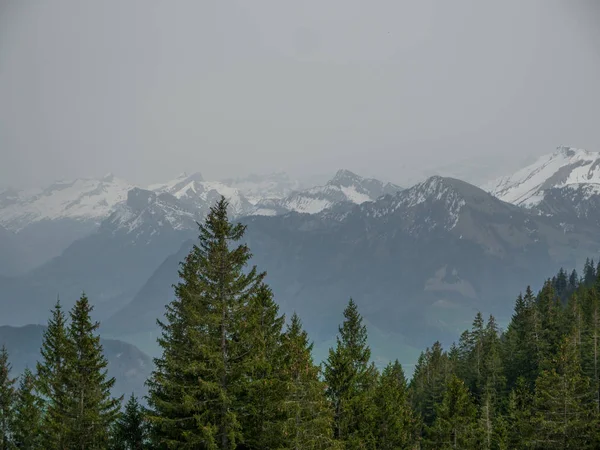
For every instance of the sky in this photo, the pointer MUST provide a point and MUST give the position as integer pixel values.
(148, 89)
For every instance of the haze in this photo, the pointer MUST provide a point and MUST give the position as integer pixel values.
(393, 89)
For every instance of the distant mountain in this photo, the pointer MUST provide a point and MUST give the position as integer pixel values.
(259, 187)
(566, 168)
(200, 195)
(110, 265)
(13, 256)
(126, 363)
(345, 186)
(419, 263)
(48, 220)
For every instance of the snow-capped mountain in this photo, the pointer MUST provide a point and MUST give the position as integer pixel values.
(569, 168)
(46, 221)
(80, 199)
(147, 213)
(259, 187)
(345, 186)
(196, 193)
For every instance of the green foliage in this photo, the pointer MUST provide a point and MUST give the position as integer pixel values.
(7, 399)
(28, 414)
(90, 411)
(131, 429)
(52, 378)
(197, 380)
(432, 372)
(455, 425)
(308, 418)
(262, 396)
(351, 380)
(397, 425)
(563, 413)
(230, 378)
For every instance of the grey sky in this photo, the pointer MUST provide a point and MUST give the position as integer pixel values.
(147, 89)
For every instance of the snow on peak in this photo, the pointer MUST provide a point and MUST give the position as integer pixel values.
(193, 191)
(344, 177)
(345, 186)
(80, 199)
(436, 202)
(255, 188)
(177, 183)
(566, 167)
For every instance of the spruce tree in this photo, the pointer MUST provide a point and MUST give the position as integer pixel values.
(131, 430)
(308, 418)
(518, 417)
(396, 423)
(196, 381)
(429, 381)
(28, 414)
(563, 403)
(52, 378)
(455, 426)
(90, 409)
(350, 379)
(261, 397)
(7, 400)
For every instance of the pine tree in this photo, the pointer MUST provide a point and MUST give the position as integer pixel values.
(90, 409)
(52, 377)
(519, 416)
(193, 389)
(262, 395)
(350, 382)
(589, 272)
(7, 399)
(455, 426)
(396, 423)
(308, 419)
(429, 382)
(28, 414)
(563, 403)
(522, 341)
(131, 430)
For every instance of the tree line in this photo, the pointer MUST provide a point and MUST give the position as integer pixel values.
(234, 374)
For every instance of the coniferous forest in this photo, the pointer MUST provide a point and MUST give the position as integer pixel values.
(235, 374)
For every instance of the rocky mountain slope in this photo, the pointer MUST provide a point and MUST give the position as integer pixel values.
(418, 263)
(564, 184)
(345, 186)
(566, 168)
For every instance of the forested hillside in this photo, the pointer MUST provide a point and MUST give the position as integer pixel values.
(236, 374)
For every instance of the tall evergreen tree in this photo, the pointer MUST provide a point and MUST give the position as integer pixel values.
(52, 378)
(396, 423)
(7, 400)
(262, 394)
(518, 416)
(28, 414)
(350, 379)
(131, 430)
(429, 381)
(90, 409)
(193, 389)
(563, 402)
(589, 272)
(308, 418)
(455, 426)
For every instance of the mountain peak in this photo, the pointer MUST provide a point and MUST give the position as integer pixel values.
(344, 177)
(566, 167)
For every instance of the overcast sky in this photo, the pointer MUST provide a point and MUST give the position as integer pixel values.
(148, 89)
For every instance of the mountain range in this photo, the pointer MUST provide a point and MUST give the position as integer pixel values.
(418, 261)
